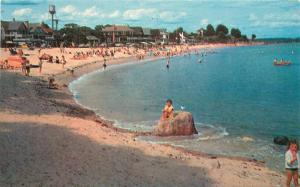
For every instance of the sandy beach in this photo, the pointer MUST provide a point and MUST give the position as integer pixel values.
(49, 140)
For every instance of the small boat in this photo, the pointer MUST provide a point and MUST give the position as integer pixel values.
(283, 63)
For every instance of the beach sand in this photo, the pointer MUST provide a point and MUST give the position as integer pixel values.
(49, 140)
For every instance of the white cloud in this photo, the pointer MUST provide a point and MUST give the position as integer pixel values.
(40, 17)
(44, 16)
(114, 14)
(21, 2)
(168, 16)
(69, 9)
(204, 22)
(135, 14)
(164, 16)
(275, 20)
(21, 12)
(252, 17)
(90, 12)
(70, 12)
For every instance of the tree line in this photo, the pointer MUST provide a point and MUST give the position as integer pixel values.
(73, 33)
(221, 34)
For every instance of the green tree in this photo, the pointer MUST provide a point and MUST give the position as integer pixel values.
(210, 30)
(155, 33)
(235, 33)
(172, 37)
(73, 33)
(178, 31)
(253, 37)
(222, 37)
(71, 25)
(85, 30)
(221, 29)
(99, 28)
(98, 32)
(244, 38)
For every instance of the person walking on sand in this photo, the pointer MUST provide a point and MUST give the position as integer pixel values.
(292, 163)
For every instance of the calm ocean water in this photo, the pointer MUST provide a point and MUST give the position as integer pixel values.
(236, 92)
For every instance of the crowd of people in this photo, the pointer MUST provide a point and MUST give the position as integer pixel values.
(106, 53)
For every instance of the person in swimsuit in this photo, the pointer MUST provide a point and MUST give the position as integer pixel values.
(292, 163)
(168, 111)
(104, 63)
(63, 59)
(168, 63)
(27, 67)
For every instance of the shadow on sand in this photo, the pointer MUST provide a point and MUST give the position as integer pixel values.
(37, 154)
(30, 95)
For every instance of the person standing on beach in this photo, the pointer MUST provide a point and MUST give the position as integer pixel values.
(23, 65)
(27, 65)
(104, 63)
(56, 60)
(292, 163)
(40, 65)
(63, 61)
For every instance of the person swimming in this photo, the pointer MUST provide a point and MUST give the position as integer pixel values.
(104, 63)
(168, 63)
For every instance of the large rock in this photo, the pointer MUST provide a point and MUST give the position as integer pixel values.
(281, 140)
(181, 125)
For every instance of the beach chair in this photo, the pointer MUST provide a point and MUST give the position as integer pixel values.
(15, 62)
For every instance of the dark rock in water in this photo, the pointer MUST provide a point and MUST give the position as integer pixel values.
(281, 140)
(181, 125)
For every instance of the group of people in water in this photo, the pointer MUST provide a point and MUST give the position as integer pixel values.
(196, 52)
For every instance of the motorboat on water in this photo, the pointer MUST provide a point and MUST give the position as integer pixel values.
(282, 63)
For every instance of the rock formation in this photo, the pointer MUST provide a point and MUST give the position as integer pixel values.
(182, 124)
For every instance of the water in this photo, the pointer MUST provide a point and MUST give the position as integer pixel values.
(235, 93)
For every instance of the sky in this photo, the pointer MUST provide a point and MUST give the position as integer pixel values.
(265, 18)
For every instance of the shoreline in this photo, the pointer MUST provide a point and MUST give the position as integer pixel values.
(72, 110)
(87, 69)
(64, 80)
